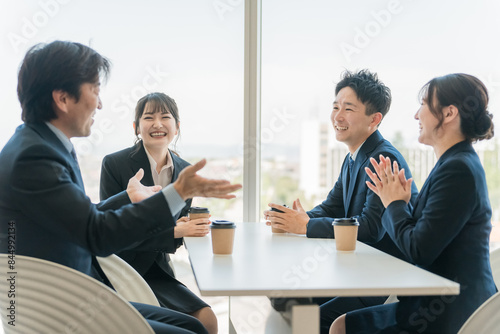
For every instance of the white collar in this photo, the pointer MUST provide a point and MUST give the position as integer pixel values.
(61, 136)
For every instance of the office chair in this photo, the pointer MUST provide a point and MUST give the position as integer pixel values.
(127, 281)
(495, 265)
(486, 319)
(40, 296)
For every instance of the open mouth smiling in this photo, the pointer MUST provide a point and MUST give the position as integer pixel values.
(158, 134)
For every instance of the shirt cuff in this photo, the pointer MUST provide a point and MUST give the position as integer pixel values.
(174, 200)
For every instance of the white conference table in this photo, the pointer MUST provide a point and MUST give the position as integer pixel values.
(290, 265)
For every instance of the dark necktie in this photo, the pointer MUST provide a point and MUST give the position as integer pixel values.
(349, 172)
(77, 169)
(73, 154)
(98, 272)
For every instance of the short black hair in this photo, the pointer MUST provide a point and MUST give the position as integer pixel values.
(59, 65)
(370, 90)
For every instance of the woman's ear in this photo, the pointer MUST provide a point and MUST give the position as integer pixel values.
(135, 128)
(177, 128)
(450, 113)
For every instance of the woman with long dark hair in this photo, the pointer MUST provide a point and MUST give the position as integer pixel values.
(157, 125)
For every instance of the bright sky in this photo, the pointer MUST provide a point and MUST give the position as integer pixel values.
(193, 51)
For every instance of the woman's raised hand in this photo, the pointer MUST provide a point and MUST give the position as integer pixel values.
(389, 183)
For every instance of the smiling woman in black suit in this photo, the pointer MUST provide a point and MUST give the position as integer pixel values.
(156, 126)
(447, 231)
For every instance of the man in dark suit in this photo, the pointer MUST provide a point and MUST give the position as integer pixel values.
(361, 102)
(41, 188)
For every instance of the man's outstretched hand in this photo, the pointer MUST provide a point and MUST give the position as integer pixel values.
(189, 184)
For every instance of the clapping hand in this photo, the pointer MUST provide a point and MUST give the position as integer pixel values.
(390, 184)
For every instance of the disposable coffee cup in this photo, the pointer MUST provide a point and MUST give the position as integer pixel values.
(275, 229)
(196, 212)
(222, 232)
(346, 233)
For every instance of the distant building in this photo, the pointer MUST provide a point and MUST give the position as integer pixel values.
(321, 158)
(318, 171)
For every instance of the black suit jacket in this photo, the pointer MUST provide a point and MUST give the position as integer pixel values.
(446, 233)
(356, 200)
(116, 170)
(42, 195)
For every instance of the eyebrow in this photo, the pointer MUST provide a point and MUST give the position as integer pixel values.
(347, 104)
(163, 112)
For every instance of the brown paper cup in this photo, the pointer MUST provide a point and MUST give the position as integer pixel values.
(222, 236)
(198, 215)
(196, 212)
(346, 234)
(275, 229)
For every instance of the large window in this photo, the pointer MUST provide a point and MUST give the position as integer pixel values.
(305, 48)
(193, 51)
(190, 50)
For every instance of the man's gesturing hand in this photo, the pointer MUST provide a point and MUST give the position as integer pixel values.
(189, 184)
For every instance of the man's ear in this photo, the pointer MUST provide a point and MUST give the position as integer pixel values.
(376, 119)
(61, 99)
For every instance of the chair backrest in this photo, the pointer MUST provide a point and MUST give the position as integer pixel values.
(495, 265)
(486, 319)
(45, 297)
(391, 299)
(127, 281)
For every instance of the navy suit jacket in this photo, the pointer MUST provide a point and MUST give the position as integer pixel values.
(116, 170)
(447, 233)
(42, 195)
(356, 200)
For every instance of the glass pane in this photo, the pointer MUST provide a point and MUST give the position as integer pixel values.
(307, 47)
(191, 51)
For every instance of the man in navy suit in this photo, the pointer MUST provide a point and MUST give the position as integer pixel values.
(361, 103)
(42, 192)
